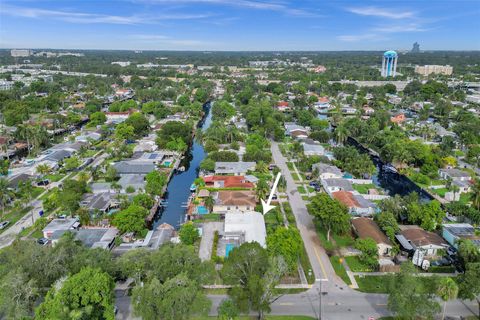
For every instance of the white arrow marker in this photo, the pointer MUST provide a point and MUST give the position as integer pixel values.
(266, 205)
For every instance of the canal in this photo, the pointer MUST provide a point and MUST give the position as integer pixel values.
(178, 189)
(393, 183)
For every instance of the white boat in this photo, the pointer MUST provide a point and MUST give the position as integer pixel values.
(389, 168)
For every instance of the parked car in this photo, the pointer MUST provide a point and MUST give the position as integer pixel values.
(43, 241)
(313, 184)
(4, 224)
(43, 183)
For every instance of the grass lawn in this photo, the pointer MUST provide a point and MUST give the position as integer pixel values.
(290, 166)
(302, 190)
(14, 215)
(339, 269)
(356, 265)
(363, 188)
(295, 176)
(465, 198)
(306, 198)
(322, 235)
(209, 217)
(343, 240)
(373, 284)
(54, 177)
(440, 191)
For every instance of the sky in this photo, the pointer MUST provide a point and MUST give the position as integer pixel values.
(238, 25)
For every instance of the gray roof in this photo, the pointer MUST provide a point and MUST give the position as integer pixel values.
(460, 229)
(99, 201)
(133, 167)
(317, 148)
(58, 155)
(364, 203)
(326, 168)
(91, 237)
(60, 224)
(233, 167)
(344, 184)
(14, 181)
(134, 180)
(291, 126)
(456, 173)
(99, 187)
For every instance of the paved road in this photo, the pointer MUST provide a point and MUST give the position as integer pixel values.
(206, 243)
(339, 300)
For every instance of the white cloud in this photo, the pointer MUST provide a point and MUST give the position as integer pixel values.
(382, 12)
(249, 4)
(78, 17)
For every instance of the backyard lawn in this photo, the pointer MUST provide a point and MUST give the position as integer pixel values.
(54, 177)
(363, 188)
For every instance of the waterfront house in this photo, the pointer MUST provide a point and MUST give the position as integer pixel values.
(135, 181)
(90, 237)
(367, 228)
(457, 231)
(454, 174)
(118, 117)
(327, 171)
(336, 184)
(227, 182)
(234, 201)
(239, 168)
(312, 148)
(133, 167)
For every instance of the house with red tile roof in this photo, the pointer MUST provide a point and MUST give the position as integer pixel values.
(228, 182)
(356, 204)
(283, 106)
(398, 118)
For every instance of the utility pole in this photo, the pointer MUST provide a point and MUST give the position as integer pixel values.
(320, 293)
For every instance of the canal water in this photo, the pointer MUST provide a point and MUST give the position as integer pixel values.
(393, 183)
(178, 189)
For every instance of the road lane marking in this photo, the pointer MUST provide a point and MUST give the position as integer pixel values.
(286, 304)
(320, 262)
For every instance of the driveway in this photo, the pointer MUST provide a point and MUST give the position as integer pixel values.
(206, 243)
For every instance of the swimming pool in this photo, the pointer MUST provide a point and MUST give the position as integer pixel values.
(167, 163)
(228, 247)
(202, 210)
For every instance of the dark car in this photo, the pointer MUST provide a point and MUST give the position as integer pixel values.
(43, 241)
(313, 184)
(274, 197)
(43, 183)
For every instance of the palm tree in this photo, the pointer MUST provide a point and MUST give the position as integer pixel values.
(475, 195)
(43, 169)
(341, 133)
(5, 193)
(262, 189)
(261, 167)
(447, 290)
(209, 202)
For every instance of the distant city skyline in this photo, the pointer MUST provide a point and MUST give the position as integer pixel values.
(239, 25)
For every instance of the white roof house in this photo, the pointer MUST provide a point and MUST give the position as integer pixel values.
(249, 226)
(236, 168)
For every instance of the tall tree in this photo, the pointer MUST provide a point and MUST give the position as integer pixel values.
(447, 290)
(408, 298)
(177, 299)
(85, 295)
(253, 276)
(469, 283)
(331, 214)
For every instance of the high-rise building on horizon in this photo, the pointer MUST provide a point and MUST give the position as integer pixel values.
(427, 70)
(389, 64)
(416, 48)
